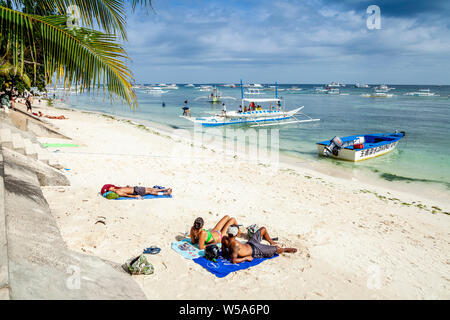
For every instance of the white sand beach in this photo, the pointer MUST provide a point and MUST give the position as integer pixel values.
(355, 241)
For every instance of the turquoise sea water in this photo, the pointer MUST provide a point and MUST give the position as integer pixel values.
(424, 155)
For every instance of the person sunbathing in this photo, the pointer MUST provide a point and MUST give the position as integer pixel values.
(238, 252)
(54, 117)
(135, 192)
(205, 237)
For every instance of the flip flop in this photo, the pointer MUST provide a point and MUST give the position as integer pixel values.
(152, 250)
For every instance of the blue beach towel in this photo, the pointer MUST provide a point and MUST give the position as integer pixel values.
(223, 267)
(148, 196)
(189, 250)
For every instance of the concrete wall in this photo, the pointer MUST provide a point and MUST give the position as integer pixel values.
(4, 290)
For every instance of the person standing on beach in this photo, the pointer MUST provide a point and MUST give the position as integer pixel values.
(186, 109)
(13, 102)
(238, 252)
(28, 103)
(224, 109)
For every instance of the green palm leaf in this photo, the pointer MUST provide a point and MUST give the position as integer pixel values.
(8, 69)
(80, 57)
(109, 15)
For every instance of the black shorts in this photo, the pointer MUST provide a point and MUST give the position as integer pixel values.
(139, 191)
(260, 250)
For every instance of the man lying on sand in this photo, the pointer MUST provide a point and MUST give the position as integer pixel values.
(205, 237)
(134, 192)
(239, 252)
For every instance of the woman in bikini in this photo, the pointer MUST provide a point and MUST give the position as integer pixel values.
(212, 236)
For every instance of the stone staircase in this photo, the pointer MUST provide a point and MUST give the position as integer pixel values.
(12, 138)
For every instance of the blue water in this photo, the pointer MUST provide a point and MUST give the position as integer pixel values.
(424, 155)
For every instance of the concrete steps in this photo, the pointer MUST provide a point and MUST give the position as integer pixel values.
(24, 145)
(18, 143)
(5, 138)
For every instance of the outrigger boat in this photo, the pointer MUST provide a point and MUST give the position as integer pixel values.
(274, 115)
(359, 147)
(215, 96)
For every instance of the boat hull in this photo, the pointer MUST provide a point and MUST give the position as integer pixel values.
(245, 121)
(371, 150)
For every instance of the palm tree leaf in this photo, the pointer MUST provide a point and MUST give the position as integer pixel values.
(79, 56)
(110, 15)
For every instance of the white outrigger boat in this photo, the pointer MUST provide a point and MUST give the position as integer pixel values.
(272, 116)
(257, 118)
(422, 93)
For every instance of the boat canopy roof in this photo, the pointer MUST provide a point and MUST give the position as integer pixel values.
(260, 100)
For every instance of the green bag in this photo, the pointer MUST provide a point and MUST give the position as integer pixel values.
(111, 195)
(139, 265)
(252, 230)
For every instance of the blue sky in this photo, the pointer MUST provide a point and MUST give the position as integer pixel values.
(290, 41)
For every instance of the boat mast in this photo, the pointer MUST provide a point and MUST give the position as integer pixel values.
(276, 90)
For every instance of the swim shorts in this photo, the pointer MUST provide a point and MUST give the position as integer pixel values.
(139, 191)
(260, 250)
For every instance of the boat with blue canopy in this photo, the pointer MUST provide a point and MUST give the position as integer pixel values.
(359, 147)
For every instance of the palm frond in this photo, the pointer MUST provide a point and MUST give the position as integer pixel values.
(109, 15)
(8, 69)
(80, 57)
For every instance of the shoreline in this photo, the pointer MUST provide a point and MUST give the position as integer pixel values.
(435, 195)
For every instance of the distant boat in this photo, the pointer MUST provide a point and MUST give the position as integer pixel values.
(329, 90)
(359, 147)
(422, 93)
(364, 86)
(379, 92)
(253, 91)
(294, 88)
(190, 85)
(156, 91)
(335, 85)
(205, 88)
(383, 87)
(215, 96)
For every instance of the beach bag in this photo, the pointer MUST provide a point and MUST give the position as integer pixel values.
(212, 252)
(252, 230)
(139, 266)
(111, 195)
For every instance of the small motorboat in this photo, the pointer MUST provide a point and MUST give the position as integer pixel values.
(359, 147)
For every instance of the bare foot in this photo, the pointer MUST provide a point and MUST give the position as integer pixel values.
(169, 192)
